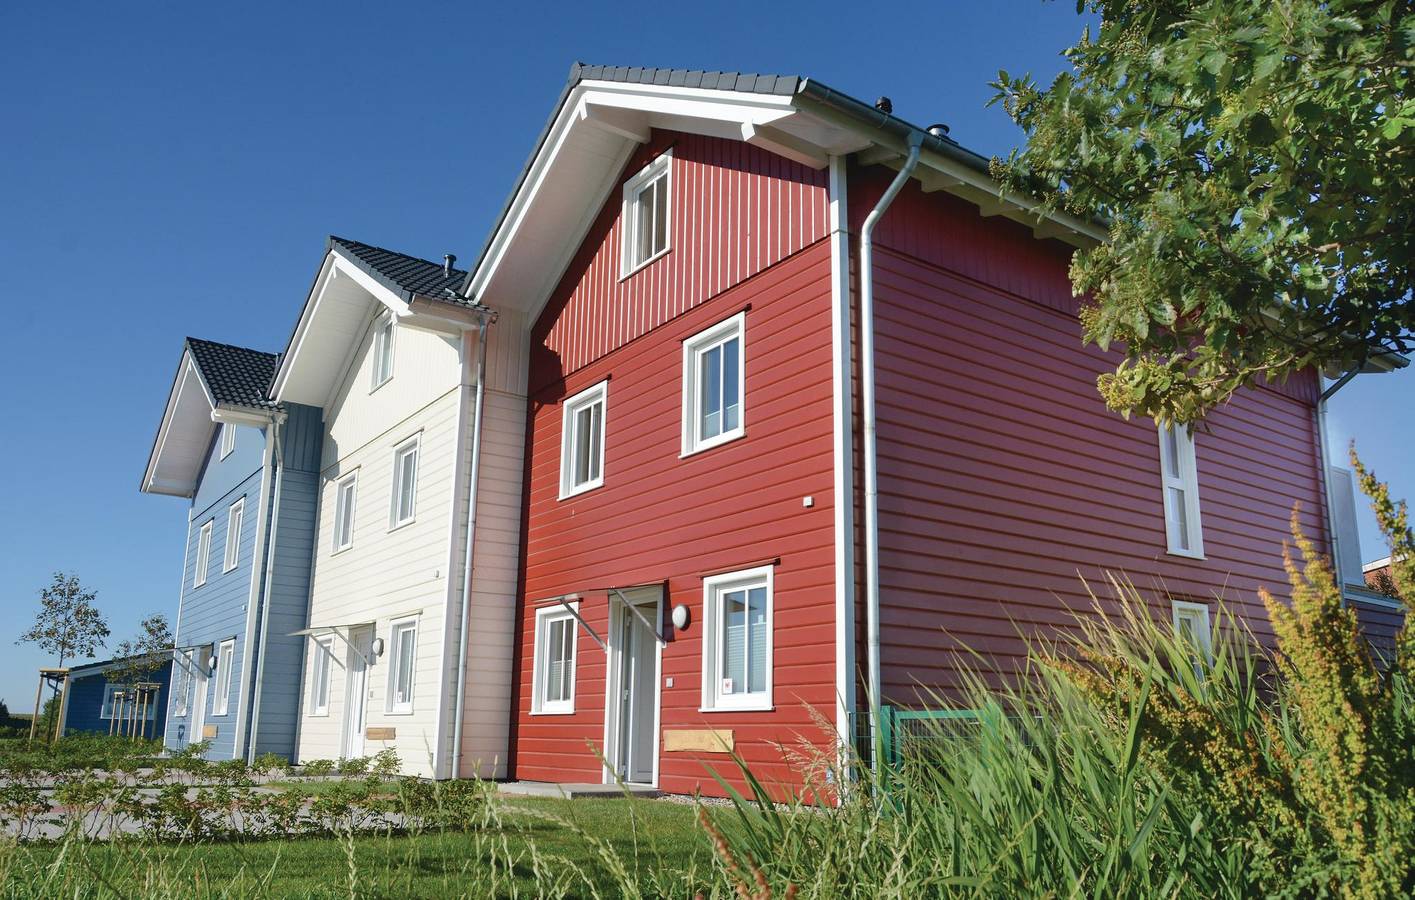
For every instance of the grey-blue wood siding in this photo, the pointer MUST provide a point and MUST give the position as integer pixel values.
(83, 711)
(293, 530)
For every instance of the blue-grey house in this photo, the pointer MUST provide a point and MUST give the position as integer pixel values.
(113, 697)
(249, 469)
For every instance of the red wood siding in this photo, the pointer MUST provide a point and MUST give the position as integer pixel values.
(1003, 477)
(736, 210)
(661, 518)
(1381, 625)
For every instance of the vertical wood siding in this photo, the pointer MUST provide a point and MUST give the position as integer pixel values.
(1004, 480)
(736, 210)
(661, 518)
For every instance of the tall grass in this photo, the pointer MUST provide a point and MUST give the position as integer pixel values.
(1128, 762)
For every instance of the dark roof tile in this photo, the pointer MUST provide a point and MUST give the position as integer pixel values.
(404, 274)
(236, 376)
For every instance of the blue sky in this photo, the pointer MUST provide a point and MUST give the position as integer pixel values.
(173, 168)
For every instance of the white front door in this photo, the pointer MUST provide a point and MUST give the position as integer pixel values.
(356, 691)
(197, 700)
(635, 712)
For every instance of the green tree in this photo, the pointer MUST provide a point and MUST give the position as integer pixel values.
(67, 624)
(1255, 160)
(142, 656)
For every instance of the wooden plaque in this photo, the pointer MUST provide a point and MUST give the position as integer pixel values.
(704, 740)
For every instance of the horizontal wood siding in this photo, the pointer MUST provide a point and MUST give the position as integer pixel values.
(1381, 625)
(736, 210)
(1004, 480)
(660, 518)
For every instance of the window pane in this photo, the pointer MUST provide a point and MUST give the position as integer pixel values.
(1179, 517)
(555, 661)
(757, 640)
(596, 426)
(583, 427)
(404, 683)
(710, 376)
(660, 213)
(407, 483)
(734, 645)
(731, 390)
(643, 224)
(1171, 451)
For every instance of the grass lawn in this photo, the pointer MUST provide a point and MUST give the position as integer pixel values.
(655, 845)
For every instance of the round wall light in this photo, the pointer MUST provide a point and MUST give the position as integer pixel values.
(377, 647)
(680, 616)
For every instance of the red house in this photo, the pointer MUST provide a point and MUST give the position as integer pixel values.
(808, 410)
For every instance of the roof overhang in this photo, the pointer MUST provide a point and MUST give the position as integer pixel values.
(598, 124)
(342, 299)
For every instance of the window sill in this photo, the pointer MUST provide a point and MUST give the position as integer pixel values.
(645, 264)
(713, 444)
(230, 570)
(582, 489)
(1186, 554)
(552, 712)
(398, 712)
(398, 526)
(318, 715)
(338, 550)
(374, 390)
(766, 707)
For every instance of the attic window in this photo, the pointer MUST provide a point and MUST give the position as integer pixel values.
(382, 350)
(646, 215)
(228, 439)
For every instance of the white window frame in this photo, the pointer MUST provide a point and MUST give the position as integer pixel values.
(228, 439)
(412, 445)
(322, 676)
(235, 516)
(570, 409)
(404, 707)
(225, 662)
(660, 167)
(344, 512)
(1181, 474)
(713, 589)
(181, 684)
(381, 354)
(540, 670)
(203, 561)
(1198, 614)
(105, 709)
(693, 349)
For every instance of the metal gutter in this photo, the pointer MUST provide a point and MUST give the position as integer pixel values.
(867, 398)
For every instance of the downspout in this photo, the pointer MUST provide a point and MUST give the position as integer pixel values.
(264, 638)
(1330, 517)
(464, 626)
(867, 396)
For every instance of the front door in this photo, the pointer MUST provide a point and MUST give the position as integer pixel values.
(197, 702)
(356, 691)
(636, 714)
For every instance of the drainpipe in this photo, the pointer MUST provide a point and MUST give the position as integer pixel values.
(264, 639)
(468, 555)
(867, 396)
(1321, 413)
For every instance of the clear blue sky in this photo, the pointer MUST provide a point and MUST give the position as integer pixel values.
(173, 168)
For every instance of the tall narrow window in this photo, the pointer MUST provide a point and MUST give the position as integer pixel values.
(225, 662)
(714, 369)
(401, 666)
(737, 655)
(1191, 624)
(228, 439)
(645, 218)
(382, 350)
(234, 521)
(203, 554)
(181, 685)
(345, 491)
(319, 682)
(582, 441)
(405, 482)
(553, 691)
(1181, 491)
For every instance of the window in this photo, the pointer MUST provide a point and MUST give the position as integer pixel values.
(382, 350)
(714, 368)
(203, 554)
(554, 672)
(128, 705)
(228, 439)
(225, 662)
(1181, 491)
(181, 685)
(582, 441)
(344, 494)
(323, 669)
(737, 640)
(1191, 623)
(405, 482)
(400, 666)
(234, 519)
(646, 215)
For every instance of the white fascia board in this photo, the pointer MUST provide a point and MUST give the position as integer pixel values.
(382, 294)
(187, 375)
(302, 327)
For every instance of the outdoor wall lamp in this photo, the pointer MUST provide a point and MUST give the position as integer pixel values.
(680, 616)
(376, 648)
